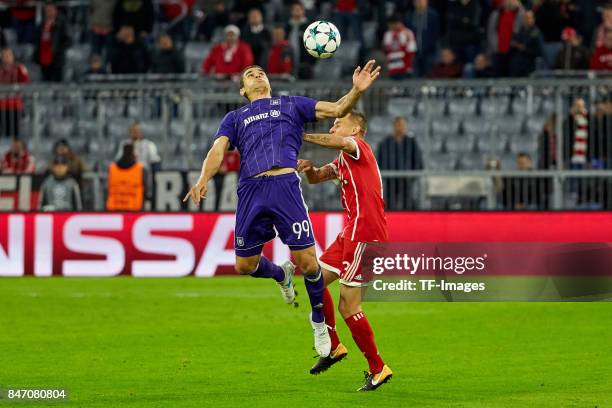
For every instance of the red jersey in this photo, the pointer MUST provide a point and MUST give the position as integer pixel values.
(400, 47)
(362, 194)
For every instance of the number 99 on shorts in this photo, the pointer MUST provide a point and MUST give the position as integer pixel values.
(301, 228)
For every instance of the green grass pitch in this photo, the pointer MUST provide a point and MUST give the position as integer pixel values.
(231, 342)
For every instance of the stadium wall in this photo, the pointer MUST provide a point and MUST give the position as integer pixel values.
(201, 244)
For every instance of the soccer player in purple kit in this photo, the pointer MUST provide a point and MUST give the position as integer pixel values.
(268, 133)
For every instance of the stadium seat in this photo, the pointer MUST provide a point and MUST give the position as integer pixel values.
(207, 128)
(77, 61)
(462, 107)
(477, 127)
(153, 129)
(435, 107)
(34, 71)
(417, 127)
(436, 143)
(510, 124)
(471, 161)
(404, 107)
(547, 106)
(87, 129)
(528, 144)
(441, 161)
(328, 69)
(492, 144)
(61, 129)
(535, 124)
(460, 144)
(445, 126)
(381, 125)
(495, 106)
(195, 52)
(23, 53)
(118, 128)
(508, 162)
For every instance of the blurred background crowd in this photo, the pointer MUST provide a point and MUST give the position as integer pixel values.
(140, 41)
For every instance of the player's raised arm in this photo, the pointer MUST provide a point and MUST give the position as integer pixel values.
(316, 175)
(210, 167)
(332, 141)
(362, 80)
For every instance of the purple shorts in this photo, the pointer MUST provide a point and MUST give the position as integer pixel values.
(269, 205)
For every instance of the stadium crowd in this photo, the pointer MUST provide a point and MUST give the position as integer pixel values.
(419, 38)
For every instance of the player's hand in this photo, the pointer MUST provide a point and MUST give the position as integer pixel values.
(364, 78)
(304, 165)
(197, 193)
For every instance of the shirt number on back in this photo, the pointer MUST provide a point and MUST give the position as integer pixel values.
(300, 228)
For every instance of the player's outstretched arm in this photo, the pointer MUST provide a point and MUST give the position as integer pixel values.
(316, 175)
(362, 80)
(210, 167)
(332, 141)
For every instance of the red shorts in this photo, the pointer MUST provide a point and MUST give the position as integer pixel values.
(343, 258)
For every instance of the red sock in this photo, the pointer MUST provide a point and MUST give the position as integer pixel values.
(330, 318)
(364, 337)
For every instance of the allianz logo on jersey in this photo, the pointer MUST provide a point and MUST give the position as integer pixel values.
(273, 113)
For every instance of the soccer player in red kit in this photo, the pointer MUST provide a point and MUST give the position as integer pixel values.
(362, 199)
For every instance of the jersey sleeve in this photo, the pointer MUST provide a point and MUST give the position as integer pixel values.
(228, 128)
(305, 108)
(358, 145)
(334, 165)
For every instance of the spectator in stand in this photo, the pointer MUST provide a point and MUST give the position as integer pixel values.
(577, 124)
(138, 14)
(602, 57)
(347, 18)
(503, 23)
(17, 160)
(59, 191)
(463, 29)
(145, 150)
(11, 108)
(96, 66)
(24, 20)
(400, 46)
(242, 7)
(552, 16)
(399, 151)
(482, 67)
(525, 193)
(228, 58)
(127, 184)
(129, 55)
(606, 24)
(572, 55)
(280, 60)
(448, 67)
(525, 47)
(303, 62)
(52, 40)
(178, 15)
(547, 144)
(76, 166)
(257, 36)
(167, 59)
(425, 24)
(101, 25)
(216, 18)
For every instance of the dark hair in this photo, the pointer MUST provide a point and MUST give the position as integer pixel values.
(523, 154)
(361, 120)
(394, 18)
(244, 72)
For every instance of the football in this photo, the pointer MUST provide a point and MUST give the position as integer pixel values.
(321, 39)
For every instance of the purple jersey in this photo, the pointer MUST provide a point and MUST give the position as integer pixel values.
(268, 132)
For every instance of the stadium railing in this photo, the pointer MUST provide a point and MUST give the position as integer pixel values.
(469, 132)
